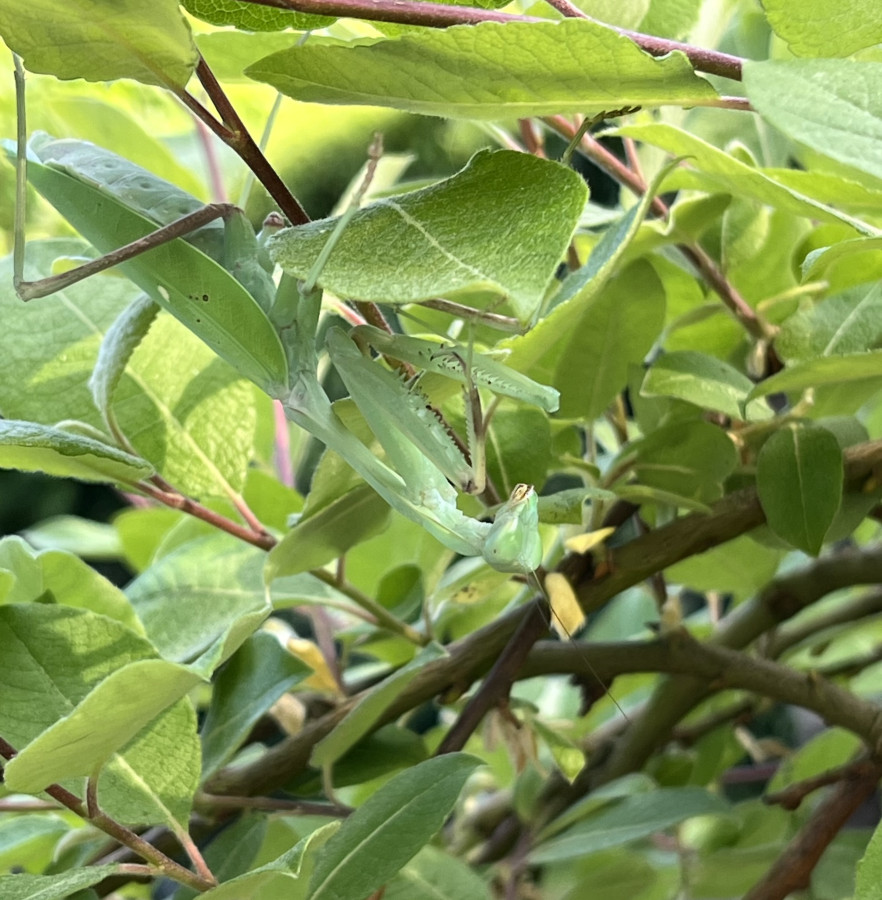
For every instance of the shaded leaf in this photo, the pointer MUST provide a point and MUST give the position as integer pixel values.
(822, 370)
(634, 818)
(799, 481)
(830, 105)
(700, 379)
(367, 712)
(257, 674)
(53, 887)
(381, 836)
(329, 533)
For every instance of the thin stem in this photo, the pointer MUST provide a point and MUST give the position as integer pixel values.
(119, 832)
(706, 267)
(31, 290)
(380, 613)
(439, 15)
(21, 176)
(197, 510)
(232, 131)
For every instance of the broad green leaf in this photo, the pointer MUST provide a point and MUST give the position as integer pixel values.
(831, 189)
(96, 541)
(595, 353)
(459, 233)
(488, 71)
(188, 412)
(30, 447)
(201, 600)
(69, 652)
(869, 870)
(116, 350)
(102, 40)
(814, 28)
(799, 480)
(28, 841)
(381, 836)
(49, 346)
(590, 317)
(329, 533)
(819, 261)
(634, 818)
(53, 887)
(194, 288)
(257, 674)
(830, 105)
(87, 737)
(435, 875)
(691, 459)
(229, 53)
(850, 367)
(285, 878)
(848, 323)
(671, 18)
(248, 17)
(367, 712)
(740, 567)
(700, 379)
(718, 171)
(63, 577)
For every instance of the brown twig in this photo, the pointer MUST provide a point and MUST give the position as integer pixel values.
(119, 832)
(792, 870)
(791, 797)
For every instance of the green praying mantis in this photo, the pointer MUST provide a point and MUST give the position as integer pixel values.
(220, 283)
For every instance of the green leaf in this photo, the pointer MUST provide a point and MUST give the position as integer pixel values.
(28, 841)
(714, 170)
(285, 878)
(819, 261)
(586, 326)
(700, 379)
(799, 481)
(49, 348)
(69, 653)
(635, 817)
(457, 234)
(92, 540)
(488, 71)
(848, 323)
(201, 600)
(367, 712)
(116, 350)
(691, 459)
(53, 887)
(869, 870)
(257, 674)
(102, 40)
(188, 412)
(381, 836)
(30, 447)
(435, 875)
(231, 852)
(87, 737)
(328, 533)
(248, 17)
(195, 289)
(823, 370)
(814, 28)
(740, 567)
(830, 105)
(63, 577)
